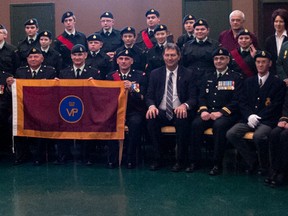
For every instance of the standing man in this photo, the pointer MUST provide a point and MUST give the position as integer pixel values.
(171, 100)
(228, 38)
(111, 36)
(51, 56)
(69, 38)
(9, 60)
(135, 83)
(188, 22)
(260, 104)
(31, 40)
(218, 109)
(145, 38)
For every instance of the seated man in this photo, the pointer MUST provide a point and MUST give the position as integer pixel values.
(218, 102)
(260, 104)
(171, 99)
(136, 84)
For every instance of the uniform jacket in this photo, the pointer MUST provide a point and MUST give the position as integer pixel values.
(88, 71)
(183, 39)
(53, 58)
(265, 102)
(9, 59)
(154, 59)
(23, 48)
(45, 72)
(111, 42)
(186, 87)
(282, 62)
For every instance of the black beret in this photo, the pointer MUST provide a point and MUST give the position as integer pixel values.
(189, 17)
(107, 14)
(160, 28)
(244, 32)
(2, 26)
(32, 21)
(66, 15)
(34, 50)
(46, 34)
(78, 48)
(262, 54)
(152, 11)
(95, 37)
(128, 30)
(201, 22)
(125, 52)
(220, 51)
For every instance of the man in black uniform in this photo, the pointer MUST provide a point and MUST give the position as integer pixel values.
(145, 38)
(51, 56)
(9, 60)
(128, 36)
(135, 83)
(218, 109)
(260, 104)
(197, 53)
(155, 54)
(96, 57)
(31, 30)
(34, 70)
(77, 70)
(111, 36)
(69, 38)
(171, 100)
(188, 22)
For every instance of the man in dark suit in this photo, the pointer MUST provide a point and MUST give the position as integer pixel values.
(171, 100)
(218, 109)
(69, 38)
(260, 105)
(33, 70)
(135, 83)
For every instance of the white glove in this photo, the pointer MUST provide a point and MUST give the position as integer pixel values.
(253, 120)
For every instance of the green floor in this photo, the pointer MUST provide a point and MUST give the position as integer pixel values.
(77, 190)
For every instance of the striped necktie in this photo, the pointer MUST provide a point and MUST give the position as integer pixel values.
(169, 98)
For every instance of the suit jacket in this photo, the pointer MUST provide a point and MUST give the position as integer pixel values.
(265, 102)
(88, 71)
(111, 42)
(271, 47)
(186, 87)
(282, 62)
(45, 72)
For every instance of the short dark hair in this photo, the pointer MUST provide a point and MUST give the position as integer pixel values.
(172, 46)
(283, 13)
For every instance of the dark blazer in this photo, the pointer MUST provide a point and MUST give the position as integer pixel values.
(45, 72)
(88, 71)
(111, 42)
(186, 87)
(271, 47)
(265, 102)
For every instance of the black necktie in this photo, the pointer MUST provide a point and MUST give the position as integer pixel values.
(150, 33)
(78, 70)
(219, 75)
(107, 34)
(31, 40)
(33, 74)
(245, 53)
(169, 98)
(93, 54)
(200, 42)
(124, 77)
(260, 83)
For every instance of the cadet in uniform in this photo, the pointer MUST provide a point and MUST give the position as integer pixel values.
(111, 36)
(260, 104)
(218, 109)
(9, 60)
(34, 70)
(128, 36)
(155, 54)
(69, 38)
(51, 56)
(282, 63)
(96, 57)
(77, 70)
(197, 53)
(243, 57)
(145, 38)
(136, 84)
(31, 40)
(188, 22)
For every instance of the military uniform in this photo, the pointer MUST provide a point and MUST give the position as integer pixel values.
(100, 61)
(112, 41)
(282, 62)
(135, 113)
(184, 39)
(23, 48)
(154, 59)
(9, 59)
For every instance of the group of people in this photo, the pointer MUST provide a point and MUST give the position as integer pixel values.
(229, 85)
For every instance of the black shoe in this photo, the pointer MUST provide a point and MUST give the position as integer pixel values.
(191, 168)
(18, 162)
(270, 178)
(176, 168)
(111, 165)
(155, 166)
(215, 171)
(278, 181)
(130, 166)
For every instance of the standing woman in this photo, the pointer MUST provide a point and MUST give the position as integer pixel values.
(274, 42)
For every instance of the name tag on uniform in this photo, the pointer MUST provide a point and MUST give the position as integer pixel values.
(226, 85)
